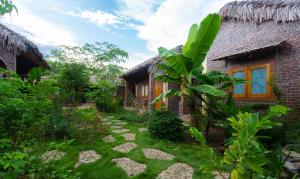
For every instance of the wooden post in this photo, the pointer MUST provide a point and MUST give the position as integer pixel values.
(126, 94)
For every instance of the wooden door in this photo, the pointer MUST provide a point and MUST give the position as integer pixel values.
(158, 91)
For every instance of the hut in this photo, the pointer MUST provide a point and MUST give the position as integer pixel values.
(259, 41)
(141, 89)
(17, 53)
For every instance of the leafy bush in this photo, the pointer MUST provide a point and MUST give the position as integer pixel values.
(134, 117)
(245, 157)
(164, 125)
(86, 124)
(102, 94)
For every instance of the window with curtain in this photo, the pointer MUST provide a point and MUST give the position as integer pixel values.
(256, 85)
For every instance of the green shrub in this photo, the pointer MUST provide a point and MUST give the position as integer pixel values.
(107, 104)
(134, 117)
(164, 125)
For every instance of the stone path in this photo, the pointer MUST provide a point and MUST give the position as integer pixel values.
(116, 127)
(177, 171)
(104, 119)
(157, 154)
(88, 156)
(120, 123)
(108, 139)
(129, 136)
(131, 167)
(52, 155)
(108, 123)
(125, 148)
(143, 129)
(119, 131)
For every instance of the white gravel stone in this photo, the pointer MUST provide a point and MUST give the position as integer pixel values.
(157, 154)
(131, 167)
(88, 156)
(125, 148)
(108, 123)
(116, 127)
(120, 123)
(129, 136)
(109, 139)
(119, 131)
(143, 129)
(52, 155)
(177, 171)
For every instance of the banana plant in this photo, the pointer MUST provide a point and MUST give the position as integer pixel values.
(186, 68)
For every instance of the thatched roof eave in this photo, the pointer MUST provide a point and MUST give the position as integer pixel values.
(259, 11)
(243, 52)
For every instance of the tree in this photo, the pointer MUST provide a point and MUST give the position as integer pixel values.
(95, 56)
(6, 7)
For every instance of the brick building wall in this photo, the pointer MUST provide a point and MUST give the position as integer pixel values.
(238, 36)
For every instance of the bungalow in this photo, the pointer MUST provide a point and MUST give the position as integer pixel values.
(259, 41)
(17, 53)
(141, 89)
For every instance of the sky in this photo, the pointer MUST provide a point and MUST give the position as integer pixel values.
(138, 26)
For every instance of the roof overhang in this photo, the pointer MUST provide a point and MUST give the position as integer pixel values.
(246, 51)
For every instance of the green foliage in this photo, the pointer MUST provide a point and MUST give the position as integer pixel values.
(134, 117)
(73, 78)
(24, 107)
(201, 89)
(86, 124)
(102, 94)
(12, 164)
(60, 146)
(7, 7)
(164, 125)
(246, 157)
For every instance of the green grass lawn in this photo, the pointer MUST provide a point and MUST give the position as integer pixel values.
(105, 168)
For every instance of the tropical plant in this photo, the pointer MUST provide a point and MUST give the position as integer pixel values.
(6, 7)
(246, 157)
(73, 79)
(164, 125)
(12, 164)
(185, 68)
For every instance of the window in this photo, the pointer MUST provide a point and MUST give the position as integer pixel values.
(256, 85)
(145, 90)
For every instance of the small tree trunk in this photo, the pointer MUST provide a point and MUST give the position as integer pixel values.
(193, 111)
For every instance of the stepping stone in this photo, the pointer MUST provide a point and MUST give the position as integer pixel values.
(119, 131)
(131, 167)
(88, 156)
(104, 119)
(177, 170)
(143, 129)
(109, 117)
(218, 176)
(116, 127)
(108, 139)
(108, 123)
(125, 148)
(157, 154)
(52, 155)
(121, 123)
(115, 120)
(129, 136)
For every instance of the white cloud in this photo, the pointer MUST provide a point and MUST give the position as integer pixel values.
(136, 58)
(37, 29)
(169, 25)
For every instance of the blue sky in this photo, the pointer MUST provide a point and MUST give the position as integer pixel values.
(138, 26)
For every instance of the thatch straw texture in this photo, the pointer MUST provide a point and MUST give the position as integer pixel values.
(16, 43)
(259, 11)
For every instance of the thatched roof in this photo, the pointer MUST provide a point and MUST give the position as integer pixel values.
(259, 11)
(18, 45)
(254, 27)
(147, 66)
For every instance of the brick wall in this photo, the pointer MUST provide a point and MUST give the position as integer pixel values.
(235, 35)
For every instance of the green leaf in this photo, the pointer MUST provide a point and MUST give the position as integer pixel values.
(191, 38)
(234, 174)
(207, 32)
(167, 94)
(167, 70)
(210, 90)
(177, 63)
